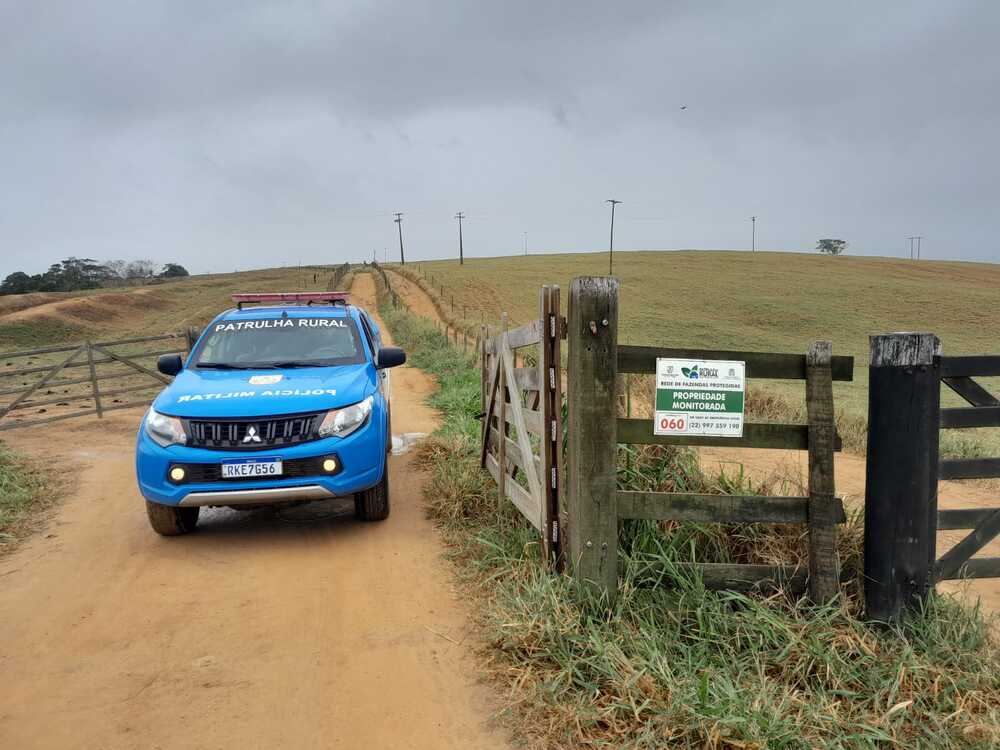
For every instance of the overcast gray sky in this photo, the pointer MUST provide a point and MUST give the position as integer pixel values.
(242, 134)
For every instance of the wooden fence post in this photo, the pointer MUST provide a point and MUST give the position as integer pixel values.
(824, 511)
(95, 389)
(502, 412)
(904, 398)
(593, 432)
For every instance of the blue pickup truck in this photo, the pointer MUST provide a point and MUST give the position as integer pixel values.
(282, 400)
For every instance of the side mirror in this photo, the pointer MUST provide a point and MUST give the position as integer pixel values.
(170, 364)
(389, 356)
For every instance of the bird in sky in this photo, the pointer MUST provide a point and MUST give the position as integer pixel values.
(683, 106)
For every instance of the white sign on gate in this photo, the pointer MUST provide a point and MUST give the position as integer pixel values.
(699, 397)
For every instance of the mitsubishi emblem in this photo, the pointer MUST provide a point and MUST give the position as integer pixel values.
(251, 436)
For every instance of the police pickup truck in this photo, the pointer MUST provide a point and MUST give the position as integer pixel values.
(282, 400)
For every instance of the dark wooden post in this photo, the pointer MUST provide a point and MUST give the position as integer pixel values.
(904, 396)
(593, 432)
(824, 560)
(502, 412)
(550, 403)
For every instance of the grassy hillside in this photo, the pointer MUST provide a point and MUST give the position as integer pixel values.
(111, 313)
(762, 301)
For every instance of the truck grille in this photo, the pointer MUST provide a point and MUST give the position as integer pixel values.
(252, 434)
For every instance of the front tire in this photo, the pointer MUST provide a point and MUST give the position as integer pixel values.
(373, 503)
(169, 520)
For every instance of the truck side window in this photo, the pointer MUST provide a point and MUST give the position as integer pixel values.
(368, 334)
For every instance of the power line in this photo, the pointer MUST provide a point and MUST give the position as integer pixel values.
(399, 223)
(461, 252)
(611, 242)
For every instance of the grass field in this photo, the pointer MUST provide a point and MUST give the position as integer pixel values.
(762, 301)
(681, 666)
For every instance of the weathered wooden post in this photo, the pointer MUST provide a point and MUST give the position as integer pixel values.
(502, 418)
(593, 432)
(904, 396)
(95, 388)
(550, 406)
(824, 511)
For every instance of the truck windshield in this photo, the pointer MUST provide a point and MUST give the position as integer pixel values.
(280, 342)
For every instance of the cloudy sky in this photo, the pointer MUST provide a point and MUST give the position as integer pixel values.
(243, 133)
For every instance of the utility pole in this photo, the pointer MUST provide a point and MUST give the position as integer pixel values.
(525, 243)
(919, 237)
(399, 223)
(461, 252)
(911, 246)
(611, 242)
(753, 234)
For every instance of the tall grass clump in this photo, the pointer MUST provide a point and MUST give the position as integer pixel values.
(676, 665)
(22, 490)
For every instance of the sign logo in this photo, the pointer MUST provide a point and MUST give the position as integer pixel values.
(690, 372)
(251, 436)
(265, 379)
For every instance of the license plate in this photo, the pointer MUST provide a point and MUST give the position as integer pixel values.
(240, 468)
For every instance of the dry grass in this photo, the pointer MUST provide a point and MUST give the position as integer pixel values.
(762, 301)
(113, 313)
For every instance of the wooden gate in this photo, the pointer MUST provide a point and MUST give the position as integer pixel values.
(47, 380)
(901, 509)
(522, 417)
(984, 411)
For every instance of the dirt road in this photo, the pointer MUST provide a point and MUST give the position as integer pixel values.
(304, 629)
(416, 299)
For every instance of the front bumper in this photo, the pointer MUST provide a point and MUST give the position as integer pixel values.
(360, 456)
(257, 497)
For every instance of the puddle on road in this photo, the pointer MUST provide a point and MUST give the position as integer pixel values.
(402, 443)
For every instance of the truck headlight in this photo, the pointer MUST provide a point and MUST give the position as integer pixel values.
(165, 430)
(342, 422)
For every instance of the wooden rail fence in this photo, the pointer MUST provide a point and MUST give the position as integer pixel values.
(584, 530)
(596, 505)
(50, 381)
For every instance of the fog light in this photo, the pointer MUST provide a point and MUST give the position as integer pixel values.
(329, 465)
(177, 474)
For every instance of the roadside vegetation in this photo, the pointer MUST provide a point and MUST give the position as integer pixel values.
(23, 492)
(677, 665)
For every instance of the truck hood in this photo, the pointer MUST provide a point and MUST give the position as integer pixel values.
(260, 393)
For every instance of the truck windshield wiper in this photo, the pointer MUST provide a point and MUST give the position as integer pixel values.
(295, 363)
(220, 366)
